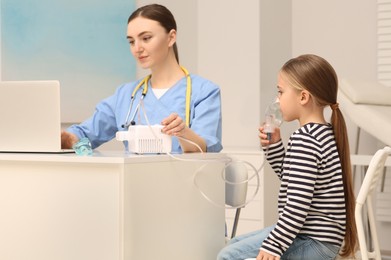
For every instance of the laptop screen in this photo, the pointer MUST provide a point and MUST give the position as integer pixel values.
(30, 116)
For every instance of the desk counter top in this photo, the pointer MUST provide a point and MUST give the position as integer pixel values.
(107, 157)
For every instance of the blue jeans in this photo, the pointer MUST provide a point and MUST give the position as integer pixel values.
(302, 248)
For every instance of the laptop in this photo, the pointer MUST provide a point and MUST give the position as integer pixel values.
(30, 117)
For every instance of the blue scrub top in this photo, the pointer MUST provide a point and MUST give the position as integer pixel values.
(205, 112)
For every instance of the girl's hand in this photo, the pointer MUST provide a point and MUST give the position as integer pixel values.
(174, 125)
(266, 256)
(263, 137)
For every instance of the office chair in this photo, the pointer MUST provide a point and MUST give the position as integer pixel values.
(364, 198)
(236, 177)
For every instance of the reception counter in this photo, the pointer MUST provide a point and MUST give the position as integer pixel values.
(110, 206)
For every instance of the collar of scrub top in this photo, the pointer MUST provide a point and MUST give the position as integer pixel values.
(144, 83)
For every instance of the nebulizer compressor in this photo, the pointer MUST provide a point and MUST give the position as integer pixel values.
(146, 139)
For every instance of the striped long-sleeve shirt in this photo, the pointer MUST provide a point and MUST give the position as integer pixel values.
(311, 197)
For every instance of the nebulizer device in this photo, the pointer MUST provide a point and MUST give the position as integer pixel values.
(83, 147)
(273, 118)
(236, 174)
(146, 139)
(149, 139)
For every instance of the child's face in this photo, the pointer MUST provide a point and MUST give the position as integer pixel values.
(289, 98)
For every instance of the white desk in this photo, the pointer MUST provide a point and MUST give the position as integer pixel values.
(109, 206)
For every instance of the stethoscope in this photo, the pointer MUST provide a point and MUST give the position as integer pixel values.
(144, 83)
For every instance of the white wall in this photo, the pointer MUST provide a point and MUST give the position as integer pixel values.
(229, 54)
(343, 32)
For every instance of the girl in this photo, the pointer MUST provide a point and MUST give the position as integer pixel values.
(187, 106)
(316, 200)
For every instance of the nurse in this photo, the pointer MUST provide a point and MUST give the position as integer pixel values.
(188, 106)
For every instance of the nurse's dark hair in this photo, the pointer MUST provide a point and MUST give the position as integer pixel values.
(160, 14)
(317, 76)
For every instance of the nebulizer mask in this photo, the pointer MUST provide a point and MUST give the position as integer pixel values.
(273, 118)
(83, 147)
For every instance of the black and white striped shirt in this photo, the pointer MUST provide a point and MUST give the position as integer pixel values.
(311, 197)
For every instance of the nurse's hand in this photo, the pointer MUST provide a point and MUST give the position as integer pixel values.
(275, 136)
(188, 139)
(266, 256)
(174, 125)
(68, 140)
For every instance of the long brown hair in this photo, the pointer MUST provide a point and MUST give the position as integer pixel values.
(316, 75)
(160, 14)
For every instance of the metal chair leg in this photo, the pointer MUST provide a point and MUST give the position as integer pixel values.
(356, 150)
(236, 221)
